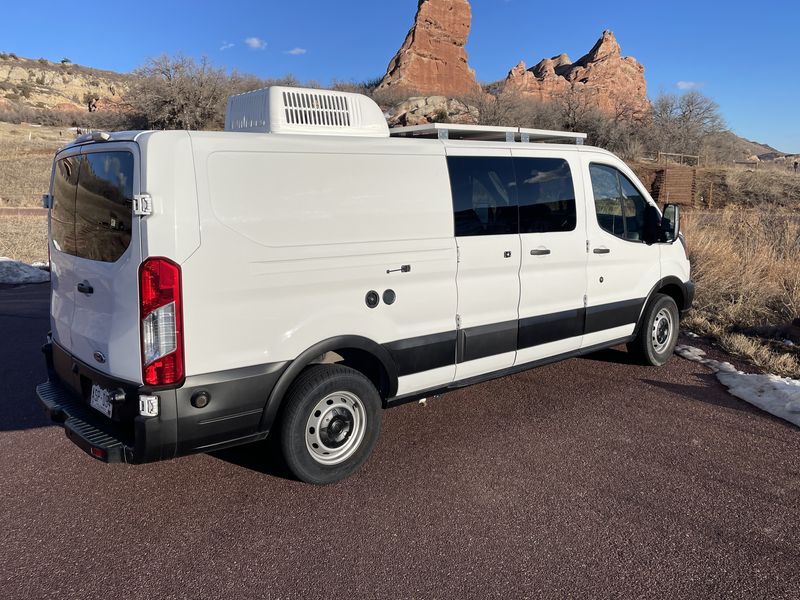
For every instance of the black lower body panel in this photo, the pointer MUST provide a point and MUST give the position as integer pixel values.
(232, 415)
(689, 288)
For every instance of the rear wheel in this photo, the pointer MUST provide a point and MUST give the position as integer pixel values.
(658, 332)
(330, 424)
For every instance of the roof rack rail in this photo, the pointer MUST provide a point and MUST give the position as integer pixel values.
(454, 131)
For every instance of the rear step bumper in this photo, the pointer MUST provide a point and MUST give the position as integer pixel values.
(232, 417)
(130, 438)
(80, 425)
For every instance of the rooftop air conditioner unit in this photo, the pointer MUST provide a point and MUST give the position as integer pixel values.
(286, 110)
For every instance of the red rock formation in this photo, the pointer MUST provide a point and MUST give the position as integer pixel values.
(432, 60)
(604, 79)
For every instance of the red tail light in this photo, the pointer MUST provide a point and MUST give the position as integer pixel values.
(162, 322)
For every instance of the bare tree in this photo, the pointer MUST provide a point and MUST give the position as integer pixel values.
(179, 93)
(680, 123)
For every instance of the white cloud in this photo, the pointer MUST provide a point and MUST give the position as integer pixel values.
(296, 51)
(689, 85)
(226, 45)
(255, 43)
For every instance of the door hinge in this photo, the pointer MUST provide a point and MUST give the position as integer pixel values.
(458, 321)
(587, 246)
(142, 205)
(585, 301)
(458, 254)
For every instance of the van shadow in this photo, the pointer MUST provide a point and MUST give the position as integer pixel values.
(24, 321)
(705, 393)
(262, 457)
(612, 355)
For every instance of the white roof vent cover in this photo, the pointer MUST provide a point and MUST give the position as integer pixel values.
(280, 109)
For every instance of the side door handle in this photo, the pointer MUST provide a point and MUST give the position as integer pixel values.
(84, 287)
(540, 252)
(601, 251)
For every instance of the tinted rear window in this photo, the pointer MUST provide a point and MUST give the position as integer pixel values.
(484, 195)
(92, 205)
(546, 195)
(62, 215)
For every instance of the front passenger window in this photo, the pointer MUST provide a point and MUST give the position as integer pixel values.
(621, 209)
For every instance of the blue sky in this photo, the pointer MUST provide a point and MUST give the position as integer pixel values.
(742, 54)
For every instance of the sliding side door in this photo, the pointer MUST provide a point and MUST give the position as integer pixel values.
(554, 258)
(487, 236)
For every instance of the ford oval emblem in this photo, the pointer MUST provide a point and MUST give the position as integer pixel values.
(100, 357)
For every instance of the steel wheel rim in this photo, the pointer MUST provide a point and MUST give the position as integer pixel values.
(661, 334)
(335, 428)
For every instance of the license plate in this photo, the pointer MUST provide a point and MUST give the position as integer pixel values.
(100, 399)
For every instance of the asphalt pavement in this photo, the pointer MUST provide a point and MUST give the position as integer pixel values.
(591, 478)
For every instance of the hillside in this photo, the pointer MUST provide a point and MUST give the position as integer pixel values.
(64, 87)
(745, 148)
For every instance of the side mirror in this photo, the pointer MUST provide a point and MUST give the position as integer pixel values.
(671, 223)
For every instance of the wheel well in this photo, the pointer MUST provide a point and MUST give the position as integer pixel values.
(365, 363)
(674, 292)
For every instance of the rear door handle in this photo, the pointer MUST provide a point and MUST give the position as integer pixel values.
(601, 251)
(540, 252)
(84, 287)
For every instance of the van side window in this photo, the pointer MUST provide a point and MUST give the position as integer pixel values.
(546, 195)
(62, 214)
(484, 195)
(103, 205)
(620, 208)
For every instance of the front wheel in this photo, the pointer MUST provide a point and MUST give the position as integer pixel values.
(658, 332)
(330, 424)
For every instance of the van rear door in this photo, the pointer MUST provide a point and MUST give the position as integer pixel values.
(62, 245)
(97, 256)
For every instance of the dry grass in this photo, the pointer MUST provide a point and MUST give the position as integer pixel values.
(772, 186)
(747, 268)
(23, 238)
(26, 157)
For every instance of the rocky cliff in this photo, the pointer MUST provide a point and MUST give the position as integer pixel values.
(61, 87)
(432, 60)
(603, 78)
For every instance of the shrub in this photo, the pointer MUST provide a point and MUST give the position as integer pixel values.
(24, 89)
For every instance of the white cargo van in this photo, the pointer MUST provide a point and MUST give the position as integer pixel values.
(308, 267)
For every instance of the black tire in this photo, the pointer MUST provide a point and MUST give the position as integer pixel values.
(653, 344)
(352, 407)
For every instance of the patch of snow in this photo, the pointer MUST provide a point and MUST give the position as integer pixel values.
(779, 396)
(692, 334)
(45, 266)
(14, 272)
(789, 343)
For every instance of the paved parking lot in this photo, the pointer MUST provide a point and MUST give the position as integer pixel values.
(589, 478)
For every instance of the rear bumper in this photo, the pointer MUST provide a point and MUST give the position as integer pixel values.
(232, 417)
(86, 431)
